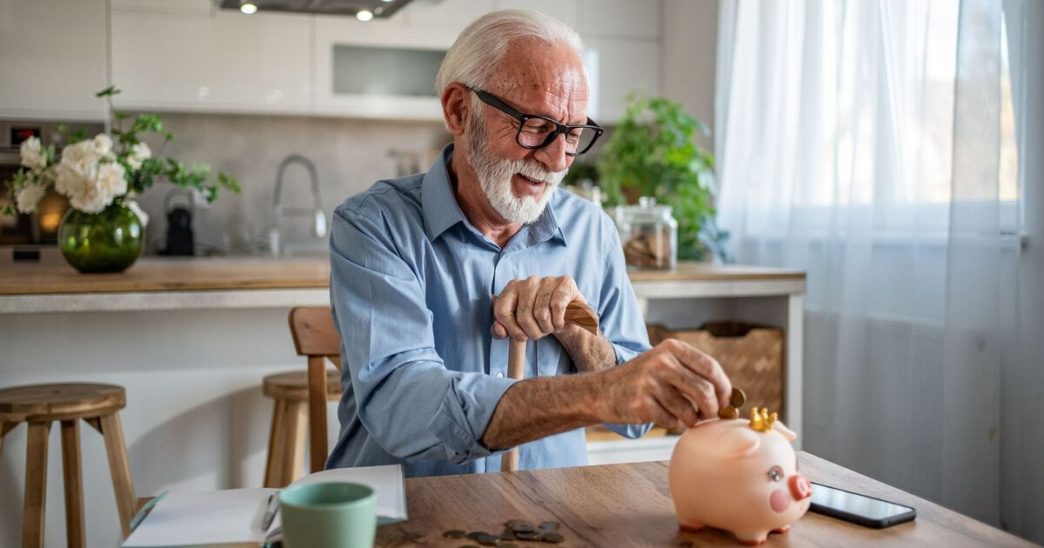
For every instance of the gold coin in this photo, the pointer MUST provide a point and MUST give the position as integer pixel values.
(728, 412)
(739, 397)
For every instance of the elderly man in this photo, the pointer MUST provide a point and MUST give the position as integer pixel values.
(432, 273)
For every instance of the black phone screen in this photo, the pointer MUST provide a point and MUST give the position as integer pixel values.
(856, 508)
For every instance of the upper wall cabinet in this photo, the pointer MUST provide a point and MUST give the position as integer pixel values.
(52, 57)
(378, 69)
(194, 59)
(620, 18)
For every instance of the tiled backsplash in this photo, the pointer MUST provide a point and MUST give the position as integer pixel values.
(349, 155)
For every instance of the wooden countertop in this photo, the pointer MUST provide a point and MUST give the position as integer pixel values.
(153, 274)
(630, 505)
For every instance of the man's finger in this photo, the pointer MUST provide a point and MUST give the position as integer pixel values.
(697, 390)
(504, 312)
(704, 366)
(542, 307)
(677, 405)
(527, 293)
(564, 293)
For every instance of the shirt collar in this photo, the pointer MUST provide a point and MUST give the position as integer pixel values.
(440, 207)
(441, 210)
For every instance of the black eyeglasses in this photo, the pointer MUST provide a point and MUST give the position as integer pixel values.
(536, 132)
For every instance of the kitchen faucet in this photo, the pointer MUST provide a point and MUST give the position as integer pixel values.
(279, 211)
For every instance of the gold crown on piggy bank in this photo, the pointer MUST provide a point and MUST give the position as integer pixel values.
(761, 421)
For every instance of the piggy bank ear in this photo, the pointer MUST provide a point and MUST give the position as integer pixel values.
(782, 429)
(739, 442)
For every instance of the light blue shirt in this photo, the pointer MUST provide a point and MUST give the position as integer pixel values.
(411, 284)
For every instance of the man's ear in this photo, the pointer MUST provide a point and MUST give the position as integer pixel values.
(456, 107)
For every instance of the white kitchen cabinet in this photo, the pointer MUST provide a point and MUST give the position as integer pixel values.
(624, 66)
(52, 58)
(566, 10)
(197, 6)
(446, 17)
(620, 18)
(211, 61)
(398, 42)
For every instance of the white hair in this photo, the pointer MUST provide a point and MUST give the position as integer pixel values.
(475, 54)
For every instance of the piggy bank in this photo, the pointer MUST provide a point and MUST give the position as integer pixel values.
(738, 475)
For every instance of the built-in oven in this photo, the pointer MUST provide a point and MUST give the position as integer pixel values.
(41, 226)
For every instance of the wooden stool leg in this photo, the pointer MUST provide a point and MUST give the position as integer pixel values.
(72, 475)
(276, 441)
(317, 411)
(120, 469)
(293, 442)
(35, 485)
(5, 427)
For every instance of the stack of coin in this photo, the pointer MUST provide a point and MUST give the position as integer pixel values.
(731, 411)
(514, 530)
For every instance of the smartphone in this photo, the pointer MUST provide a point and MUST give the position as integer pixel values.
(860, 509)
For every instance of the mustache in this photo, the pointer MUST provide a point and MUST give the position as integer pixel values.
(534, 170)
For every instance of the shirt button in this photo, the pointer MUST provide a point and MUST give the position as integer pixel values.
(500, 375)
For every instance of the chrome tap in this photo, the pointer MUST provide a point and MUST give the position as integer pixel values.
(317, 213)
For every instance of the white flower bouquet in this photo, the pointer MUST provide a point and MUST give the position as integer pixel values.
(94, 172)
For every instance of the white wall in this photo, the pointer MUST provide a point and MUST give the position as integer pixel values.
(690, 36)
(349, 155)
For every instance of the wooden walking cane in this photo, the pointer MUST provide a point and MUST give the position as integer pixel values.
(577, 312)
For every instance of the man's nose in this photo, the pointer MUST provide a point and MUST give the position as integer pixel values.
(554, 156)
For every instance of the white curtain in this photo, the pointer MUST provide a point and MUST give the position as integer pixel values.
(872, 144)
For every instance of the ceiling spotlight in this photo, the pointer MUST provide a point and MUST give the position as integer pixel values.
(364, 15)
(389, 1)
(248, 8)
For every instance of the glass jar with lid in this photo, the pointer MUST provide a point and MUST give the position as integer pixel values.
(649, 234)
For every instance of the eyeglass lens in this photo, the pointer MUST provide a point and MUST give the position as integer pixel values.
(537, 132)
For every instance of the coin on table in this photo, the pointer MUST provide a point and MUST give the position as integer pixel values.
(488, 540)
(507, 534)
(524, 527)
(474, 535)
(512, 523)
(738, 398)
(455, 533)
(552, 537)
(527, 535)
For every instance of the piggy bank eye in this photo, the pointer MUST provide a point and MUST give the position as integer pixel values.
(775, 473)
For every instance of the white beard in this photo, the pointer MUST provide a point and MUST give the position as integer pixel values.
(495, 178)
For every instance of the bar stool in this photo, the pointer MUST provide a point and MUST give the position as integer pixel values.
(286, 440)
(38, 406)
(316, 338)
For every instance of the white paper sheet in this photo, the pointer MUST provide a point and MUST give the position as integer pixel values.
(233, 517)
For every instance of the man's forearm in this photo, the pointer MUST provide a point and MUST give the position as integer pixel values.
(535, 408)
(589, 351)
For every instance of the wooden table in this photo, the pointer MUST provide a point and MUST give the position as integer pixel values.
(630, 505)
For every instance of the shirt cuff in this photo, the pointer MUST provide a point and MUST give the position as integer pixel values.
(623, 353)
(464, 415)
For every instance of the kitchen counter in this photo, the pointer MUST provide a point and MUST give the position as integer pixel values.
(155, 283)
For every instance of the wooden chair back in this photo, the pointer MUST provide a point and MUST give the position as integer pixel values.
(315, 336)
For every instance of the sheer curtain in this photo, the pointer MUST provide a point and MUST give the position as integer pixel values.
(872, 144)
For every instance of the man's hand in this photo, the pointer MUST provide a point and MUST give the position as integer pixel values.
(670, 383)
(534, 307)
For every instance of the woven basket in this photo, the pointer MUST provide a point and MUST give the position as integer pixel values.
(751, 355)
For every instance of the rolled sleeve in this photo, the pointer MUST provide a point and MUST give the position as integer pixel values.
(408, 401)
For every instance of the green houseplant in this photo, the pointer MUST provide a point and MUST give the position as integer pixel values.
(652, 152)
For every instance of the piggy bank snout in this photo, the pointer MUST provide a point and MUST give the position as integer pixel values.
(800, 488)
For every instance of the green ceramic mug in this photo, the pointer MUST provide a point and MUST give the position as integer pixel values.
(320, 515)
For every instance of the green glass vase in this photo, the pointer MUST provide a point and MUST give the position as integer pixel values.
(107, 241)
